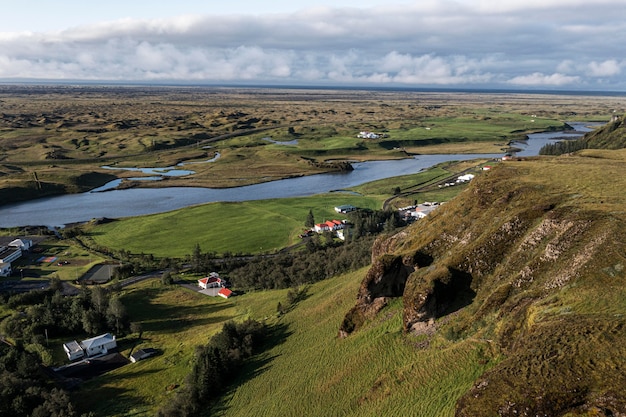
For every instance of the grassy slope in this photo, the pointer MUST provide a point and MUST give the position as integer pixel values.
(308, 372)
(377, 372)
(543, 241)
(175, 320)
(381, 371)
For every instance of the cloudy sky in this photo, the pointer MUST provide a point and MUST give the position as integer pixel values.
(516, 44)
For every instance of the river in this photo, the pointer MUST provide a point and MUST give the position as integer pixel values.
(61, 210)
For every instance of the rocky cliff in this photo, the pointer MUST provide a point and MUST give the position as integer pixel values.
(530, 259)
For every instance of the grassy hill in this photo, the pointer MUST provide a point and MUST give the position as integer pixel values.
(611, 136)
(530, 260)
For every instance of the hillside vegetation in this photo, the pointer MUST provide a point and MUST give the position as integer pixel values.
(611, 136)
(530, 261)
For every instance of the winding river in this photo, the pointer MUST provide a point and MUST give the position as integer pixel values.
(61, 210)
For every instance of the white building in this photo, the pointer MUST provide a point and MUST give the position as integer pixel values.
(22, 244)
(9, 254)
(99, 345)
(73, 350)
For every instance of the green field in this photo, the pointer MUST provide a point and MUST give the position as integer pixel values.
(243, 227)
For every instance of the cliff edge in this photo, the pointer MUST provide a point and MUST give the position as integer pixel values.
(531, 260)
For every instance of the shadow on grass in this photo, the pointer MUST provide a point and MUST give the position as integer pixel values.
(171, 317)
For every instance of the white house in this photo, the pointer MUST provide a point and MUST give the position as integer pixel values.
(368, 135)
(212, 281)
(328, 226)
(99, 344)
(465, 178)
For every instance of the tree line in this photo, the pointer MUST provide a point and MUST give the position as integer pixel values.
(216, 366)
(298, 268)
(563, 146)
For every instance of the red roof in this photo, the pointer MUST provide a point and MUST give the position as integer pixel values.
(225, 292)
(204, 280)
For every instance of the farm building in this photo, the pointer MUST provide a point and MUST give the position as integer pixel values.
(142, 354)
(328, 226)
(9, 254)
(73, 350)
(345, 209)
(225, 293)
(22, 244)
(212, 281)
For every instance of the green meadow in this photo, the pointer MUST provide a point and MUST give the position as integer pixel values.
(242, 227)
(306, 370)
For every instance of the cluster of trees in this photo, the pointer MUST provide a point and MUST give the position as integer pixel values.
(216, 366)
(372, 222)
(49, 313)
(563, 147)
(24, 391)
(298, 268)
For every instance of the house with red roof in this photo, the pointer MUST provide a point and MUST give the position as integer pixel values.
(212, 281)
(329, 226)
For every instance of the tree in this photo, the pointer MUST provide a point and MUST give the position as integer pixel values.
(196, 258)
(116, 315)
(310, 220)
(166, 278)
(136, 327)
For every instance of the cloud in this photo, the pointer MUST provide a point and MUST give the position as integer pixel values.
(605, 69)
(530, 43)
(539, 79)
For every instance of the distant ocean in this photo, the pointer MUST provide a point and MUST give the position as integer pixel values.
(329, 87)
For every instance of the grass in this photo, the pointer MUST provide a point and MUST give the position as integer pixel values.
(376, 372)
(244, 227)
(174, 320)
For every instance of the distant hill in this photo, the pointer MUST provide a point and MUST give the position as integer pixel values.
(531, 261)
(610, 136)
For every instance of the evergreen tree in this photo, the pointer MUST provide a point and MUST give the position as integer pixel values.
(310, 220)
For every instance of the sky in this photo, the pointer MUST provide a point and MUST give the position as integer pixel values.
(510, 44)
